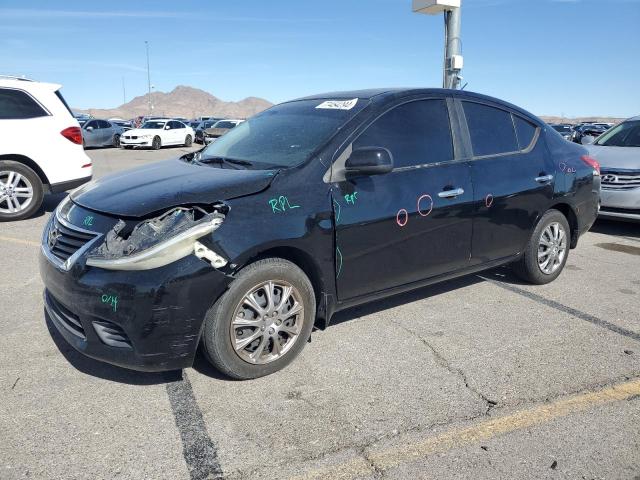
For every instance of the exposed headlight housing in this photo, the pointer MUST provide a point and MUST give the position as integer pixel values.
(156, 242)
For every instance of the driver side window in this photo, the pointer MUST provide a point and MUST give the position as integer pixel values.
(416, 133)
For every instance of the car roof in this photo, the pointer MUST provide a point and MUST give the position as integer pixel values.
(27, 84)
(387, 94)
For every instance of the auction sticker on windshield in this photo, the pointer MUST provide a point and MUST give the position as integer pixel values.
(338, 104)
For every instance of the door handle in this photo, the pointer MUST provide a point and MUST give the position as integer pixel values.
(451, 193)
(544, 178)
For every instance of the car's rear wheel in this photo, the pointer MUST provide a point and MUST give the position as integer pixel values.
(116, 140)
(21, 191)
(547, 251)
(156, 143)
(188, 141)
(263, 320)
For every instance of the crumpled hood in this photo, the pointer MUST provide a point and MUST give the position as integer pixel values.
(612, 158)
(152, 188)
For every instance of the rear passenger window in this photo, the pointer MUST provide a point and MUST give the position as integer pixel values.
(491, 129)
(525, 131)
(415, 133)
(16, 104)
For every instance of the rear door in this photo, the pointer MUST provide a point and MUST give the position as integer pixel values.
(513, 178)
(409, 224)
(106, 132)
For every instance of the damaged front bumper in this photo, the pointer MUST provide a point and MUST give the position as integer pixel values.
(143, 320)
(147, 319)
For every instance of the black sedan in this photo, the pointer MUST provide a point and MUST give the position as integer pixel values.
(308, 208)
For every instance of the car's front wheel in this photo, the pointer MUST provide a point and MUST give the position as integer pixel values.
(188, 141)
(116, 140)
(21, 191)
(263, 320)
(546, 253)
(156, 143)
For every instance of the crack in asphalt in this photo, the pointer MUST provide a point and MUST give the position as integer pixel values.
(444, 363)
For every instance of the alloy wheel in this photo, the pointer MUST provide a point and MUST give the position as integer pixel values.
(16, 192)
(552, 248)
(267, 322)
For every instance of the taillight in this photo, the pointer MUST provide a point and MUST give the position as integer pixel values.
(592, 162)
(73, 134)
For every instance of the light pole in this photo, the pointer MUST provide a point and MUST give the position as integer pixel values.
(148, 77)
(453, 60)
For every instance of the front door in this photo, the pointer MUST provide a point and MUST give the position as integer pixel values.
(412, 223)
(91, 133)
(513, 178)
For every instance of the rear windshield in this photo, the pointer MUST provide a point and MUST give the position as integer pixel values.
(285, 135)
(627, 134)
(561, 128)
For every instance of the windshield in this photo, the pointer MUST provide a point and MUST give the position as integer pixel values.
(154, 125)
(627, 134)
(285, 135)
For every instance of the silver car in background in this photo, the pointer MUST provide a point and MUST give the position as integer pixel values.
(101, 133)
(618, 151)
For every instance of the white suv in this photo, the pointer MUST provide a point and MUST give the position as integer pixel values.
(40, 146)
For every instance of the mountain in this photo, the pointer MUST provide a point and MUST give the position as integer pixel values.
(550, 119)
(183, 101)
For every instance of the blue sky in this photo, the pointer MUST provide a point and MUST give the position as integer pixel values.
(572, 57)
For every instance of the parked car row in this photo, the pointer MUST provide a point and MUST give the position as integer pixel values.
(575, 133)
(98, 132)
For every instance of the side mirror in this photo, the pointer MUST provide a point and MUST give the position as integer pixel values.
(167, 127)
(89, 129)
(369, 161)
(588, 140)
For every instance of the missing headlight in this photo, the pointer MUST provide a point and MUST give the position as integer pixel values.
(158, 241)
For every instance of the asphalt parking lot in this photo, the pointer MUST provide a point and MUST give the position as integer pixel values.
(480, 377)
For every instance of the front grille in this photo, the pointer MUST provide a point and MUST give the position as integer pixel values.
(69, 320)
(618, 180)
(111, 334)
(131, 137)
(64, 240)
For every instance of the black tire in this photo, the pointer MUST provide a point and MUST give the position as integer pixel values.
(217, 330)
(36, 185)
(188, 141)
(527, 268)
(156, 144)
(116, 140)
